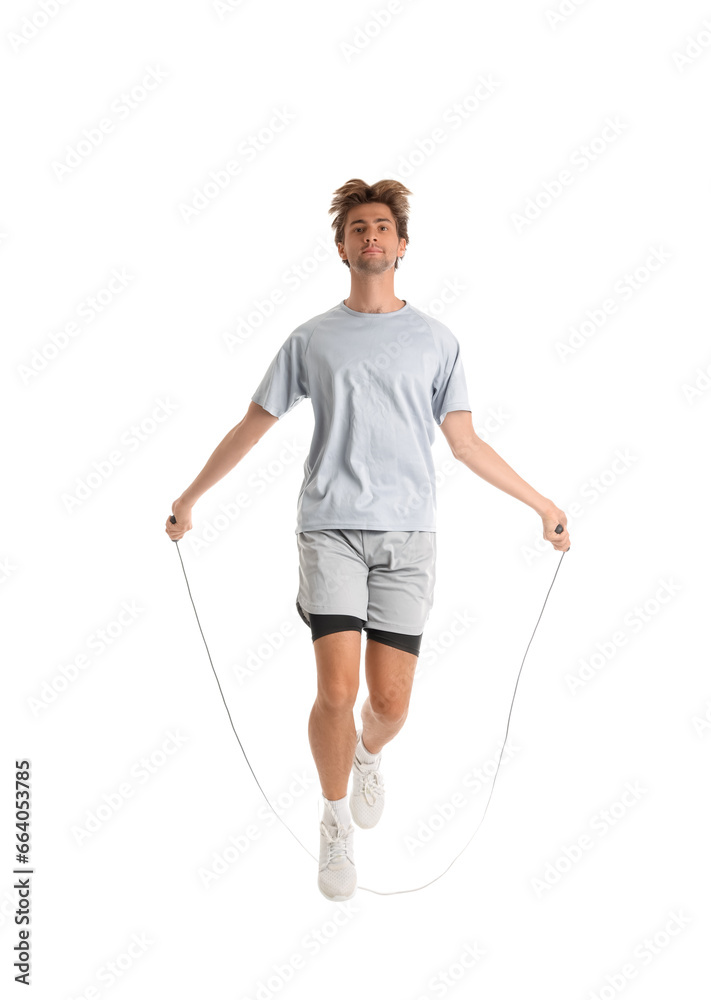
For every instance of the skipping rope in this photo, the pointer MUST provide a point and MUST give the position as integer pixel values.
(396, 892)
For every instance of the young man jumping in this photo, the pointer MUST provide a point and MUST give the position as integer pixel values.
(380, 374)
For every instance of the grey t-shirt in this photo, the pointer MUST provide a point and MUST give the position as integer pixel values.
(377, 383)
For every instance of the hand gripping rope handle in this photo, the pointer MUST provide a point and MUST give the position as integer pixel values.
(559, 529)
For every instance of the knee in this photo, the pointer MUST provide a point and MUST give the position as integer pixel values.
(388, 709)
(335, 696)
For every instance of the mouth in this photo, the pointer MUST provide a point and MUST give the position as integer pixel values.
(372, 251)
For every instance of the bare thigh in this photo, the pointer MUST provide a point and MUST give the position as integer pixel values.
(389, 673)
(338, 668)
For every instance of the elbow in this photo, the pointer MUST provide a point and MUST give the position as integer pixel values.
(465, 451)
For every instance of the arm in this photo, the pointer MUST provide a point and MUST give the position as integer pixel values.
(231, 450)
(468, 448)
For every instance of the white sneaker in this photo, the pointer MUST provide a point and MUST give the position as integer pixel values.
(337, 879)
(367, 799)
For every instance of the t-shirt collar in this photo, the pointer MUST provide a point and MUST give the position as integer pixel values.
(382, 315)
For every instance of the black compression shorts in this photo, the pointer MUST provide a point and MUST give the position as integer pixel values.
(327, 624)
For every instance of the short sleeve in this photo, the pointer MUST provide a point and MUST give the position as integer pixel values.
(449, 391)
(285, 381)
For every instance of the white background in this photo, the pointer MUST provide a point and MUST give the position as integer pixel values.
(362, 99)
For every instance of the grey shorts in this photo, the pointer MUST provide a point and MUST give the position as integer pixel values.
(386, 578)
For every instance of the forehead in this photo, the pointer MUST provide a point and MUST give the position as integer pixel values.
(369, 213)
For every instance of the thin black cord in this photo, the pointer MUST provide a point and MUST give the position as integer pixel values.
(362, 887)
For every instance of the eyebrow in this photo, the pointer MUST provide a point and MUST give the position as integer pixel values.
(356, 221)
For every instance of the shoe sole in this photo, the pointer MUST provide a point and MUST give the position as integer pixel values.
(360, 825)
(337, 899)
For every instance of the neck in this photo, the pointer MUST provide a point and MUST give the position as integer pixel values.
(373, 296)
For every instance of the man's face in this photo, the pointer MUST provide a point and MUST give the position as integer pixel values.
(370, 228)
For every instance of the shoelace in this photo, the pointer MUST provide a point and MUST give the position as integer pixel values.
(336, 842)
(371, 785)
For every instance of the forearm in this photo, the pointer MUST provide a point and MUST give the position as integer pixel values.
(231, 450)
(485, 462)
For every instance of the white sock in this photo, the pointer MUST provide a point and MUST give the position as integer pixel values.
(363, 755)
(342, 811)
